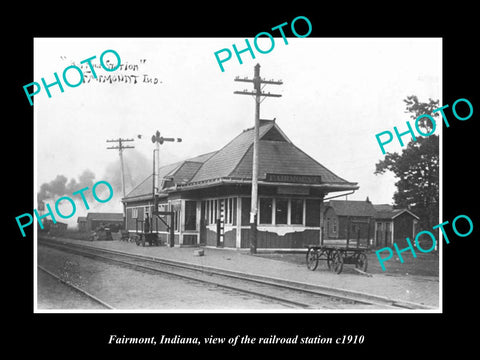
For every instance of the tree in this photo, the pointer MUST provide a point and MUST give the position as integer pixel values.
(417, 167)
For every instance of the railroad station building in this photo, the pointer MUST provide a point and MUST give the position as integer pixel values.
(210, 195)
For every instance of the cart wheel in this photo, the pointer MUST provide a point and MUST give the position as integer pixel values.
(337, 262)
(362, 262)
(329, 259)
(322, 253)
(312, 259)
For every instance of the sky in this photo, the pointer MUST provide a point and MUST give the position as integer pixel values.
(337, 94)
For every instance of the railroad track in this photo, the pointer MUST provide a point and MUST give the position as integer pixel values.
(76, 288)
(293, 294)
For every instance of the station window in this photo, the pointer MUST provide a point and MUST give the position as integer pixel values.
(231, 210)
(176, 220)
(281, 211)
(234, 211)
(134, 213)
(190, 215)
(206, 209)
(246, 203)
(287, 211)
(266, 205)
(213, 211)
(296, 211)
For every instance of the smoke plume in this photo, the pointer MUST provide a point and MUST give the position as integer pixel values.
(137, 168)
(60, 186)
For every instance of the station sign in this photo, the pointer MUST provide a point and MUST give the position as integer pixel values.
(296, 179)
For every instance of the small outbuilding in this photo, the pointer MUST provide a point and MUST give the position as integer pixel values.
(96, 219)
(349, 220)
(394, 225)
(377, 225)
(82, 223)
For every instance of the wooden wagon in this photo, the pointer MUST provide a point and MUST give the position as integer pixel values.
(336, 257)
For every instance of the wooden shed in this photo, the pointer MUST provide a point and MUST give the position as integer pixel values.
(97, 219)
(82, 223)
(349, 220)
(394, 225)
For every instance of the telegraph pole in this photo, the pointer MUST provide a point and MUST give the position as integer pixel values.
(257, 82)
(120, 148)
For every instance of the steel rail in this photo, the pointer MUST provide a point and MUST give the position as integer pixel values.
(320, 291)
(145, 268)
(76, 288)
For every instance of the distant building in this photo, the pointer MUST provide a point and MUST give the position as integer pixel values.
(82, 223)
(394, 225)
(210, 195)
(52, 228)
(97, 219)
(381, 225)
(349, 219)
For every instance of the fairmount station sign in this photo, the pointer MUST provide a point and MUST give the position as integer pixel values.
(298, 179)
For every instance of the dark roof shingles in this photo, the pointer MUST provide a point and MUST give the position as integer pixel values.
(235, 160)
(352, 208)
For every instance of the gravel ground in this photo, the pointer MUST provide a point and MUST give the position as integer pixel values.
(53, 294)
(124, 288)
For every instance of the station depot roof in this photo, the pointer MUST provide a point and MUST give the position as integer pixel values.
(232, 164)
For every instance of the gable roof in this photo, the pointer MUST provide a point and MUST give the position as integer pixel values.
(179, 172)
(224, 161)
(233, 163)
(277, 154)
(387, 212)
(352, 207)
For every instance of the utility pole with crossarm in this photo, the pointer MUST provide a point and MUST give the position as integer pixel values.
(257, 82)
(120, 148)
